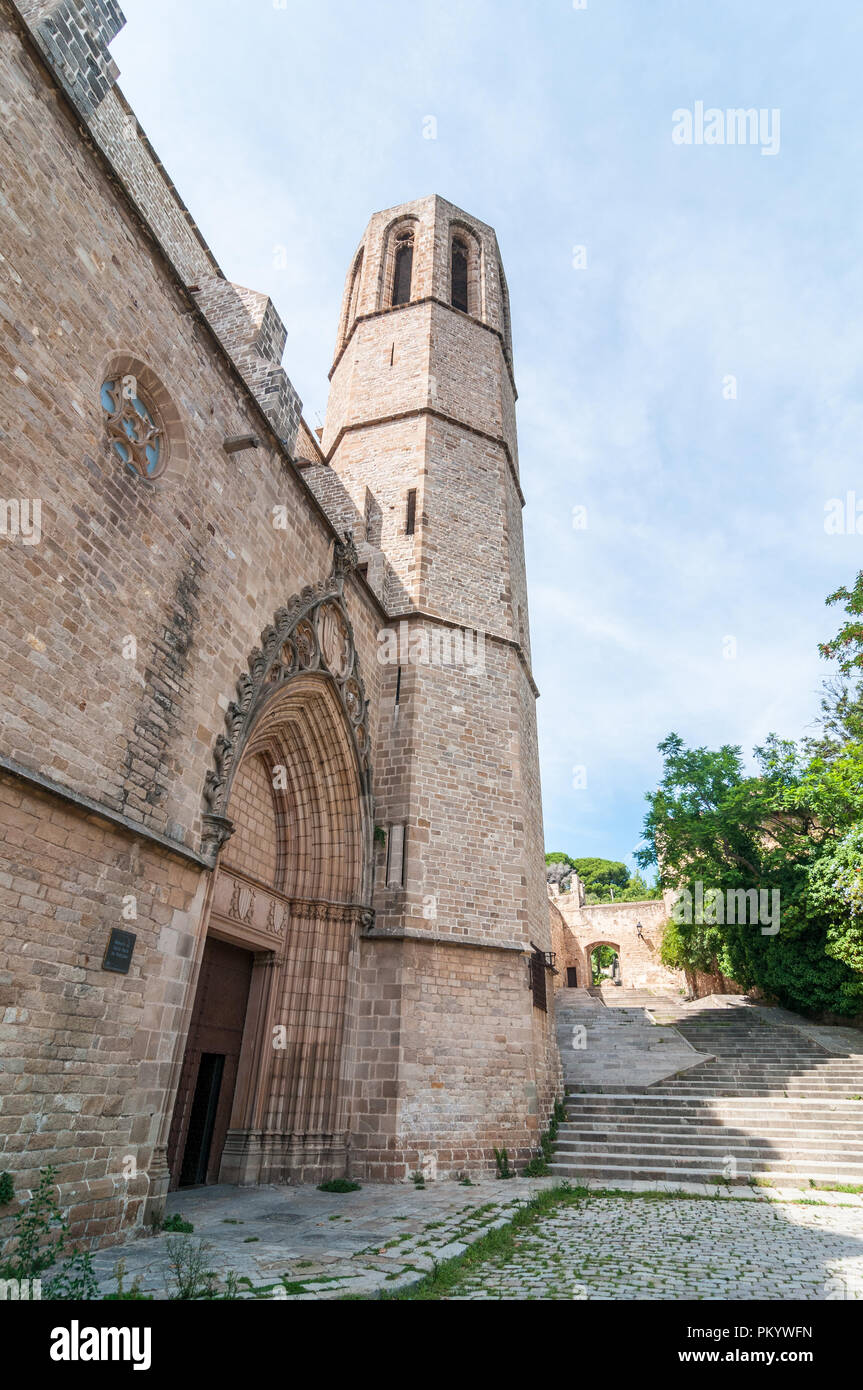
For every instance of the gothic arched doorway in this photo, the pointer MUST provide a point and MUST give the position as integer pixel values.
(262, 1094)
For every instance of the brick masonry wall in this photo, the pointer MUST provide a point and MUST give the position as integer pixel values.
(455, 1040)
(388, 467)
(455, 768)
(465, 513)
(253, 846)
(85, 1055)
(191, 567)
(701, 984)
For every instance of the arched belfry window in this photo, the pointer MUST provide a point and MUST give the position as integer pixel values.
(403, 268)
(459, 275)
(354, 295)
(506, 322)
(352, 299)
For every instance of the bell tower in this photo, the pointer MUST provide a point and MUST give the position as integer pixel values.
(422, 402)
(420, 430)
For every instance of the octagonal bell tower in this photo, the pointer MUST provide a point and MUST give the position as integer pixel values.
(420, 429)
(422, 401)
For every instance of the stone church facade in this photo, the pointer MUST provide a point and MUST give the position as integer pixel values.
(272, 889)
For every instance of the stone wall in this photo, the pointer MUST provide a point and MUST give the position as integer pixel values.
(125, 630)
(85, 1054)
(577, 928)
(134, 629)
(699, 984)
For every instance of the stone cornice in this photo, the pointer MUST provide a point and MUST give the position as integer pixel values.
(475, 943)
(97, 808)
(408, 613)
(413, 304)
(416, 413)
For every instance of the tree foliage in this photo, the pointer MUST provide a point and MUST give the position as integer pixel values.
(794, 826)
(602, 877)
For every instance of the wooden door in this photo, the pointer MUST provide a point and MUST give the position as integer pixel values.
(205, 1097)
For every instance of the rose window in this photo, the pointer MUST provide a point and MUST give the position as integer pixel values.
(133, 430)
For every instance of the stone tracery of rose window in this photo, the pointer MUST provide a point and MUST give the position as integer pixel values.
(133, 431)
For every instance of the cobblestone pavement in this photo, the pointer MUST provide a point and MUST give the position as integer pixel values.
(299, 1243)
(716, 1249)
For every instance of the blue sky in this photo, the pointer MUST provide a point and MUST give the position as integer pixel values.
(705, 515)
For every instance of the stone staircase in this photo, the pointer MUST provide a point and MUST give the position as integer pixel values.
(752, 1101)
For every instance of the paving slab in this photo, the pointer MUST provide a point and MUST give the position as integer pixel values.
(608, 1047)
(842, 1041)
(298, 1242)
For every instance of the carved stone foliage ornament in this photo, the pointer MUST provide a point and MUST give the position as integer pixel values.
(311, 633)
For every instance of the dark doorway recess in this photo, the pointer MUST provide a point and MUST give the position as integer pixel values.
(571, 977)
(205, 1097)
(202, 1119)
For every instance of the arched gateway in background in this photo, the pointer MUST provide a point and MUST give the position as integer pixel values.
(603, 959)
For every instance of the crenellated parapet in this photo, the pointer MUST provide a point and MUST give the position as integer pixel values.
(252, 333)
(75, 36)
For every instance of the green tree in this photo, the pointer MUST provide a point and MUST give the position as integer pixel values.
(835, 892)
(599, 875)
(710, 822)
(601, 960)
(841, 716)
(604, 878)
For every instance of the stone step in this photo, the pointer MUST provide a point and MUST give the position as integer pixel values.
(640, 1132)
(773, 1076)
(783, 1058)
(767, 1096)
(650, 1172)
(674, 1126)
(841, 1092)
(832, 1166)
(824, 1094)
(696, 1079)
(649, 1095)
(685, 1102)
(819, 1105)
(745, 1148)
(678, 1122)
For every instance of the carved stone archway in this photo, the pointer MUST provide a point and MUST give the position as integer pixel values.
(311, 633)
(295, 915)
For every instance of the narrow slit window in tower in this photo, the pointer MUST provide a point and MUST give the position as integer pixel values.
(411, 517)
(459, 296)
(395, 870)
